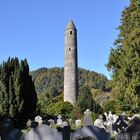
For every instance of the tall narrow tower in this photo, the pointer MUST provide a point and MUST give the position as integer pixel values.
(71, 64)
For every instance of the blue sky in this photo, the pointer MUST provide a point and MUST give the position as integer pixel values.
(34, 29)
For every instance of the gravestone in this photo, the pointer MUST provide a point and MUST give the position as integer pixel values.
(110, 121)
(134, 125)
(43, 132)
(115, 117)
(65, 123)
(78, 123)
(59, 121)
(92, 132)
(34, 124)
(14, 134)
(51, 121)
(5, 127)
(136, 135)
(124, 136)
(110, 117)
(87, 118)
(99, 122)
(85, 138)
(66, 133)
(70, 121)
(29, 122)
(38, 119)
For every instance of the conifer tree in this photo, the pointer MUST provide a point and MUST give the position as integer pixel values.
(86, 101)
(124, 59)
(17, 91)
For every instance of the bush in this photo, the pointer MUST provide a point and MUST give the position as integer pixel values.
(63, 108)
(110, 106)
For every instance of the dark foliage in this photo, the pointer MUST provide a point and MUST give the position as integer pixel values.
(124, 59)
(17, 91)
(86, 101)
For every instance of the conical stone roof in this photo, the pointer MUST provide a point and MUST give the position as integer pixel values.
(70, 25)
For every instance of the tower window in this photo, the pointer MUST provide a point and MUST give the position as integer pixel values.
(70, 32)
(69, 49)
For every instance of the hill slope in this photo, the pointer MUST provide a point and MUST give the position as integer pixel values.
(50, 80)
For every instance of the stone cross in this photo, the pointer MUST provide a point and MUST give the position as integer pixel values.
(59, 121)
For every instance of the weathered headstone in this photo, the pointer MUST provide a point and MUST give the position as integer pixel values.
(43, 132)
(124, 136)
(51, 121)
(14, 134)
(59, 121)
(87, 118)
(5, 127)
(66, 133)
(70, 121)
(115, 117)
(134, 125)
(136, 135)
(92, 132)
(34, 124)
(65, 123)
(110, 121)
(29, 122)
(99, 122)
(110, 117)
(39, 120)
(78, 123)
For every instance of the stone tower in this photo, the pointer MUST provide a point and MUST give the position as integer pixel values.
(70, 64)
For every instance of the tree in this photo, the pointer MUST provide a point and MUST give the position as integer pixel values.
(17, 92)
(124, 59)
(110, 106)
(85, 99)
(67, 109)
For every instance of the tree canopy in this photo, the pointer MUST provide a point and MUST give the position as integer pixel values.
(17, 91)
(86, 101)
(124, 59)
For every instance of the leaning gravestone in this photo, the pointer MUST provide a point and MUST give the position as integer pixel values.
(87, 118)
(29, 122)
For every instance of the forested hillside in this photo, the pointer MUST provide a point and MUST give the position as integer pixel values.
(50, 80)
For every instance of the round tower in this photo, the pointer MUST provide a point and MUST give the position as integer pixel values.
(70, 64)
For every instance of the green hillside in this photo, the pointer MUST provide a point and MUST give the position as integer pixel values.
(50, 80)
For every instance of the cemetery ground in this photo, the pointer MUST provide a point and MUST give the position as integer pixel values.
(107, 126)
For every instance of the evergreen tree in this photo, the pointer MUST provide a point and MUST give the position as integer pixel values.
(124, 59)
(86, 101)
(17, 91)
